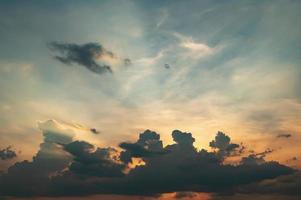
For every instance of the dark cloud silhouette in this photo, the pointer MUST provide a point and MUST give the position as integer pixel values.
(136, 150)
(127, 61)
(64, 167)
(84, 55)
(93, 130)
(265, 152)
(223, 146)
(182, 138)
(100, 162)
(284, 135)
(180, 195)
(282, 185)
(28, 178)
(252, 196)
(256, 158)
(148, 144)
(7, 153)
(252, 160)
(184, 168)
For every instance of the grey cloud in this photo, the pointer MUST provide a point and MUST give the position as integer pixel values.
(265, 152)
(224, 147)
(283, 135)
(79, 168)
(221, 141)
(167, 66)
(256, 158)
(184, 168)
(180, 195)
(127, 61)
(33, 177)
(182, 138)
(94, 131)
(136, 150)
(84, 55)
(252, 160)
(7, 153)
(253, 196)
(148, 136)
(283, 185)
(148, 144)
(99, 162)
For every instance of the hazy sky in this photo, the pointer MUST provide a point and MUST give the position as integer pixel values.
(196, 66)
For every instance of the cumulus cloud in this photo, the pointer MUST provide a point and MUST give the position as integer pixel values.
(63, 167)
(223, 145)
(92, 56)
(7, 153)
(33, 177)
(100, 162)
(184, 168)
(183, 138)
(148, 144)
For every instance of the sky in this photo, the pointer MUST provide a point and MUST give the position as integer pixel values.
(161, 99)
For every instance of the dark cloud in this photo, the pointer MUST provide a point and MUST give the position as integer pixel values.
(253, 196)
(65, 167)
(282, 185)
(284, 135)
(93, 130)
(127, 61)
(224, 147)
(33, 177)
(180, 195)
(137, 151)
(7, 153)
(184, 168)
(256, 158)
(84, 55)
(148, 144)
(252, 160)
(265, 152)
(182, 138)
(100, 162)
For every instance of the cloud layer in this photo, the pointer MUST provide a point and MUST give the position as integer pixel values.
(66, 167)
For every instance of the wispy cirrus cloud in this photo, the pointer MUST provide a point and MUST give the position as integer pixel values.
(194, 49)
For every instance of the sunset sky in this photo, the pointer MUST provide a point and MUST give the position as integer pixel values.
(212, 87)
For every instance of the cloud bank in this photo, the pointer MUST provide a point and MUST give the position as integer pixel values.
(67, 167)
